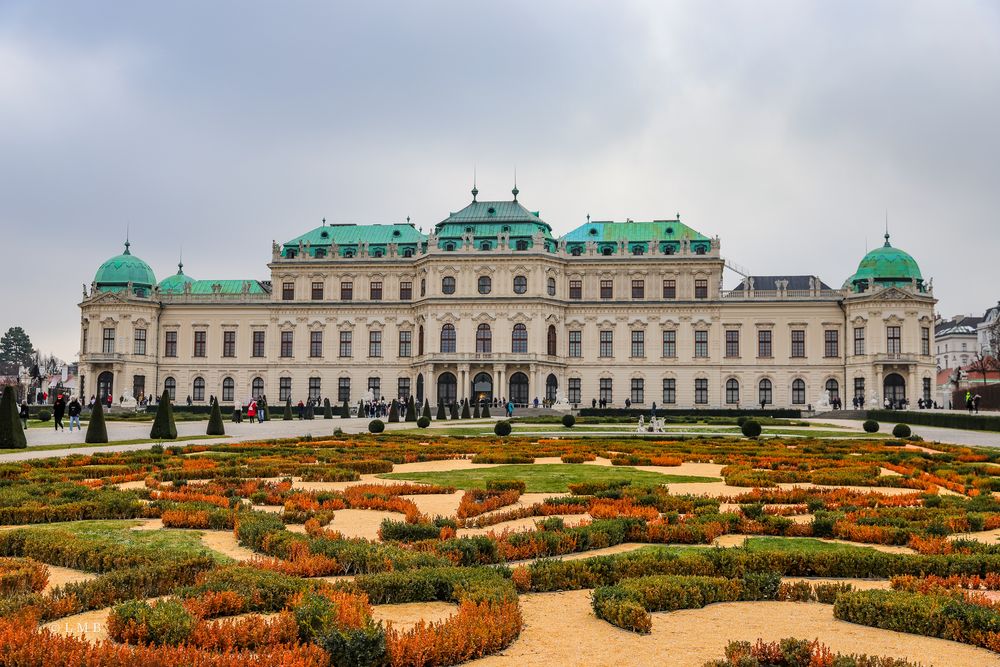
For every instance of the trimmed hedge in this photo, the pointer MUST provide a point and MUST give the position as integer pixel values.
(792, 652)
(376, 426)
(502, 428)
(11, 432)
(636, 412)
(750, 428)
(901, 431)
(943, 420)
(870, 426)
(164, 427)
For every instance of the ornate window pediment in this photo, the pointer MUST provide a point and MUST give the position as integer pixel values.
(484, 317)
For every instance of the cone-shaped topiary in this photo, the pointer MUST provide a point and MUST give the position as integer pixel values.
(97, 430)
(465, 409)
(345, 411)
(163, 426)
(11, 433)
(475, 411)
(327, 411)
(215, 425)
(411, 410)
(310, 410)
(288, 410)
(454, 410)
(427, 409)
(393, 412)
(441, 413)
(486, 410)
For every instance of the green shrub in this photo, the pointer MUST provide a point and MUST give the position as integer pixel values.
(505, 485)
(941, 419)
(316, 617)
(215, 425)
(376, 426)
(364, 647)
(465, 409)
(751, 428)
(44, 415)
(568, 420)
(870, 426)
(401, 531)
(502, 428)
(345, 411)
(426, 412)
(901, 431)
(367, 466)
(164, 427)
(424, 421)
(441, 416)
(166, 622)
(486, 410)
(327, 410)
(393, 415)
(287, 415)
(253, 527)
(97, 430)
(11, 433)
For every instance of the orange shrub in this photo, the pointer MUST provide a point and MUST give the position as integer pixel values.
(251, 632)
(604, 508)
(667, 460)
(215, 603)
(184, 518)
(477, 629)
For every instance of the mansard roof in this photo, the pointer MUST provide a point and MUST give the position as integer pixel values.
(352, 235)
(771, 282)
(607, 230)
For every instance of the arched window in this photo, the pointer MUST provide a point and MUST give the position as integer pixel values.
(576, 251)
(520, 284)
(607, 250)
(521, 245)
(550, 341)
(832, 389)
(518, 339)
(732, 392)
(484, 339)
(485, 284)
(798, 392)
(551, 286)
(170, 386)
(378, 252)
(638, 250)
(348, 253)
(423, 287)
(228, 390)
(257, 387)
(551, 388)
(447, 389)
(485, 245)
(320, 254)
(408, 252)
(420, 340)
(765, 394)
(448, 338)
(448, 285)
(449, 246)
(198, 389)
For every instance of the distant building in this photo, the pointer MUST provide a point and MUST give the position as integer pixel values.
(988, 322)
(956, 341)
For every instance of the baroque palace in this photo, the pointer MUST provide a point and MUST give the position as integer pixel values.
(492, 304)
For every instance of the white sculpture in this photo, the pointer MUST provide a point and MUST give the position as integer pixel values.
(561, 403)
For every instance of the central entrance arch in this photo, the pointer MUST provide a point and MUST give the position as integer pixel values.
(519, 389)
(105, 386)
(894, 388)
(482, 387)
(447, 389)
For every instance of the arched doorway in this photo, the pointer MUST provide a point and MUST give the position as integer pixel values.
(447, 390)
(482, 387)
(551, 388)
(105, 386)
(894, 388)
(420, 388)
(519, 389)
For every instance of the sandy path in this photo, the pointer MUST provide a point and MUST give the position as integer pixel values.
(361, 523)
(128, 486)
(560, 629)
(405, 616)
(624, 547)
(224, 542)
(859, 584)
(90, 625)
(525, 524)
(65, 575)
(985, 536)
(149, 524)
(438, 504)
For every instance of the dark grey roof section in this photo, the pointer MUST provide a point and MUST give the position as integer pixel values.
(771, 282)
(962, 324)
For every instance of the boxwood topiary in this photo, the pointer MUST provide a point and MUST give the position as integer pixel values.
(751, 428)
(424, 421)
(163, 425)
(568, 421)
(97, 431)
(11, 433)
(215, 425)
(44, 415)
(901, 431)
(870, 426)
(376, 426)
(502, 428)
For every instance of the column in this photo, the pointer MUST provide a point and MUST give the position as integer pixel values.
(430, 386)
(879, 398)
(496, 381)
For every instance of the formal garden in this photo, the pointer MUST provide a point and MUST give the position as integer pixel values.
(427, 548)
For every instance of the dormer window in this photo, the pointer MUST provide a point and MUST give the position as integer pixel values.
(521, 245)
(348, 253)
(607, 250)
(576, 251)
(290, 254)
(593, 231)
(670, 230)
(637, 250)
(505, 229)
(324, 234)
(377, 253)
(468, 230)
(700, 250)
(449, 246)
(320, 253)
(491, 211)
(408, 252)
(395, 232)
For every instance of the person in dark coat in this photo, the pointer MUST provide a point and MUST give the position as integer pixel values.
(24, 414)
(74, 409)
(58, 410)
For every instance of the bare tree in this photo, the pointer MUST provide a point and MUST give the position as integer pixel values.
(984, 364)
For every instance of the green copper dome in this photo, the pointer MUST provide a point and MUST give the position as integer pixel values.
(175, 284)
(116, 273)
(885, 267)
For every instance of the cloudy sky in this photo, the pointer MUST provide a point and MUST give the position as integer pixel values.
(786, 128)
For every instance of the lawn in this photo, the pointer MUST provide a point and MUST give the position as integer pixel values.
(798, 545)
(113, 443)
(544, 478)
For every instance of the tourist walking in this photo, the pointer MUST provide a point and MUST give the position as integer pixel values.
(74, 409)
(252, 411)
(24, 414)
(58, 410)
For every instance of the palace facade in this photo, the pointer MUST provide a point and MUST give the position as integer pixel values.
(490, 303)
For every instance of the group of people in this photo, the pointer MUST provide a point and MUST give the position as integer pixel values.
(60, 409)
(972, 402)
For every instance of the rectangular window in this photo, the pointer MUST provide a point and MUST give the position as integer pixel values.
(798, 343)
(108, 344)
(927, 389)
(638, 392)
(607, 289)
(732, 392)
(315, 343)
(638, 289)
(859, 388)
(284, 389)
(317, 291)
(374, 343)
(170, 344)
(287, 291)
(669, 391)
(405, 290)
(670, 344)
(375, 387)
(701, 343)
(346, 291)
(576, 289)
(638, 344)
(139, 344)
(375, 289)
(405, 343)
(576, 344)
(403, 388)
(831, 343)
(139, 386)
(701, 391)
(607, 348)
(605, 391)
(892, 340)
(764, 343)
(344, 390)
(575, 393)
(229, 343)
(286, 343)
(859, 340)
(258, 344)
(345, 343)
(732, 343)
(199, 343)
(314, 389)
(701, 289)
(925, 341)
(670, 289)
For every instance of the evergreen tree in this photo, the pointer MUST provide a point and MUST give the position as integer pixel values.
(97, 430)
(411, 410)
(288, 410)
(393, 412)
(486, 410)
(465, 409)
(427, 408)
(11, 434)
(441, 413)
(163, 426)
(215, 425)
(345, 411)
(15, 351)
(475, 411)
(327, 411)
(454, 410)
(310, 410)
